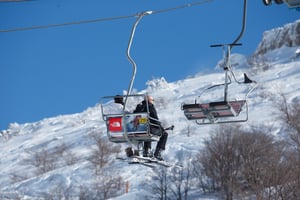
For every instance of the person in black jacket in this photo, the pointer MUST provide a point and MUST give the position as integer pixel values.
(155, 127)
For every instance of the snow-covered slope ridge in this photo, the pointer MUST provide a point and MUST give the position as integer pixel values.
(288, 35)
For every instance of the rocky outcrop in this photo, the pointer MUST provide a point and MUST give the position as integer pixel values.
(288, 35)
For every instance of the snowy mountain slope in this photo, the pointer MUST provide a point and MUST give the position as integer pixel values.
(278, 71)
(287, 35)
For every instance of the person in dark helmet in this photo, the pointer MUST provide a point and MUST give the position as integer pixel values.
(155, 128)
(119, 99)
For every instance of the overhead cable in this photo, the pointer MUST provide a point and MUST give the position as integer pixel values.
(10, 1)
(101, 19)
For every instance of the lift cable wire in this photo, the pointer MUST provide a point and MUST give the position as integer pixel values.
(12, 1)
(102, 19)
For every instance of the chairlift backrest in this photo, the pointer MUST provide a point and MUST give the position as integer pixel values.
(136, 128)
(127, 126)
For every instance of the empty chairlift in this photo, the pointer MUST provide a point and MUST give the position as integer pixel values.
(225, 111)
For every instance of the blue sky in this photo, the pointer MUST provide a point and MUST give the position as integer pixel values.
(64, 70)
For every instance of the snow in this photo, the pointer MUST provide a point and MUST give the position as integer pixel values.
(21, 141)
(287, 35)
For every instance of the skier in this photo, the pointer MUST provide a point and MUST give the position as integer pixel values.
(118, 99)
(155, 128)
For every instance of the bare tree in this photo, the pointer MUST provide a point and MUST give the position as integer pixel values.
(63, 151)
(108, 185)
(188, 129)
(44, 161)
(180, 181)
(227, 157)
(240, 162)
(14, 177)
(221, 161)
(101, 154)
(255, 150)
(84, 193)
(59, 191)
(289, 113)
(203, 183)
(49, 159)
(159, 184)
(265, 168)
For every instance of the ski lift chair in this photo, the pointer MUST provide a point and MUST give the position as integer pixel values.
(126, 127)
(226, 111)
(215, 112)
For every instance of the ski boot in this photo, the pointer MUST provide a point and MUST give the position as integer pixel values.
(157, 154)
(147, 153)
(129, 151)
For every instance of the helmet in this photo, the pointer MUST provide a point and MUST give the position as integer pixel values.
(118, 99)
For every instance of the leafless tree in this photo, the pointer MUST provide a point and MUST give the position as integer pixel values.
(59, 191)
(188, 129)
(63, 151)
(236, 162)
(241, 162)
(265, 168)
(15, 177)
(289, 113)
(107, 185)
(255, 149)
(44, 161)
(203, 183)
(49, 159)
(84, 193)
(220, 160)
(159, 184)
(180, 181)
(102, 152)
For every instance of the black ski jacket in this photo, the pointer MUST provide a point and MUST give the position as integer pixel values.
(142, 107)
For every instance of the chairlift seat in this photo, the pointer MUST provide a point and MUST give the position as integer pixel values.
(137, 128)
(213, 110)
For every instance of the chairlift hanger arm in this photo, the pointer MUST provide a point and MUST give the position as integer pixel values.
(235, 42)
(221, 45)
(140, 16)
(243, 23)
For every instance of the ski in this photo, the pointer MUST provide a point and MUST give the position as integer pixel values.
(148, 161)
(137, 161)
(147, 164)
(156, 161)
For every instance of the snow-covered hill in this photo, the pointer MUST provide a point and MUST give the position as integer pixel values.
(69, 138)
(287, 35)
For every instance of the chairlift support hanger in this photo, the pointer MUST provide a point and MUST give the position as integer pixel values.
(222, 111)
(120, 126)
(140, 16)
